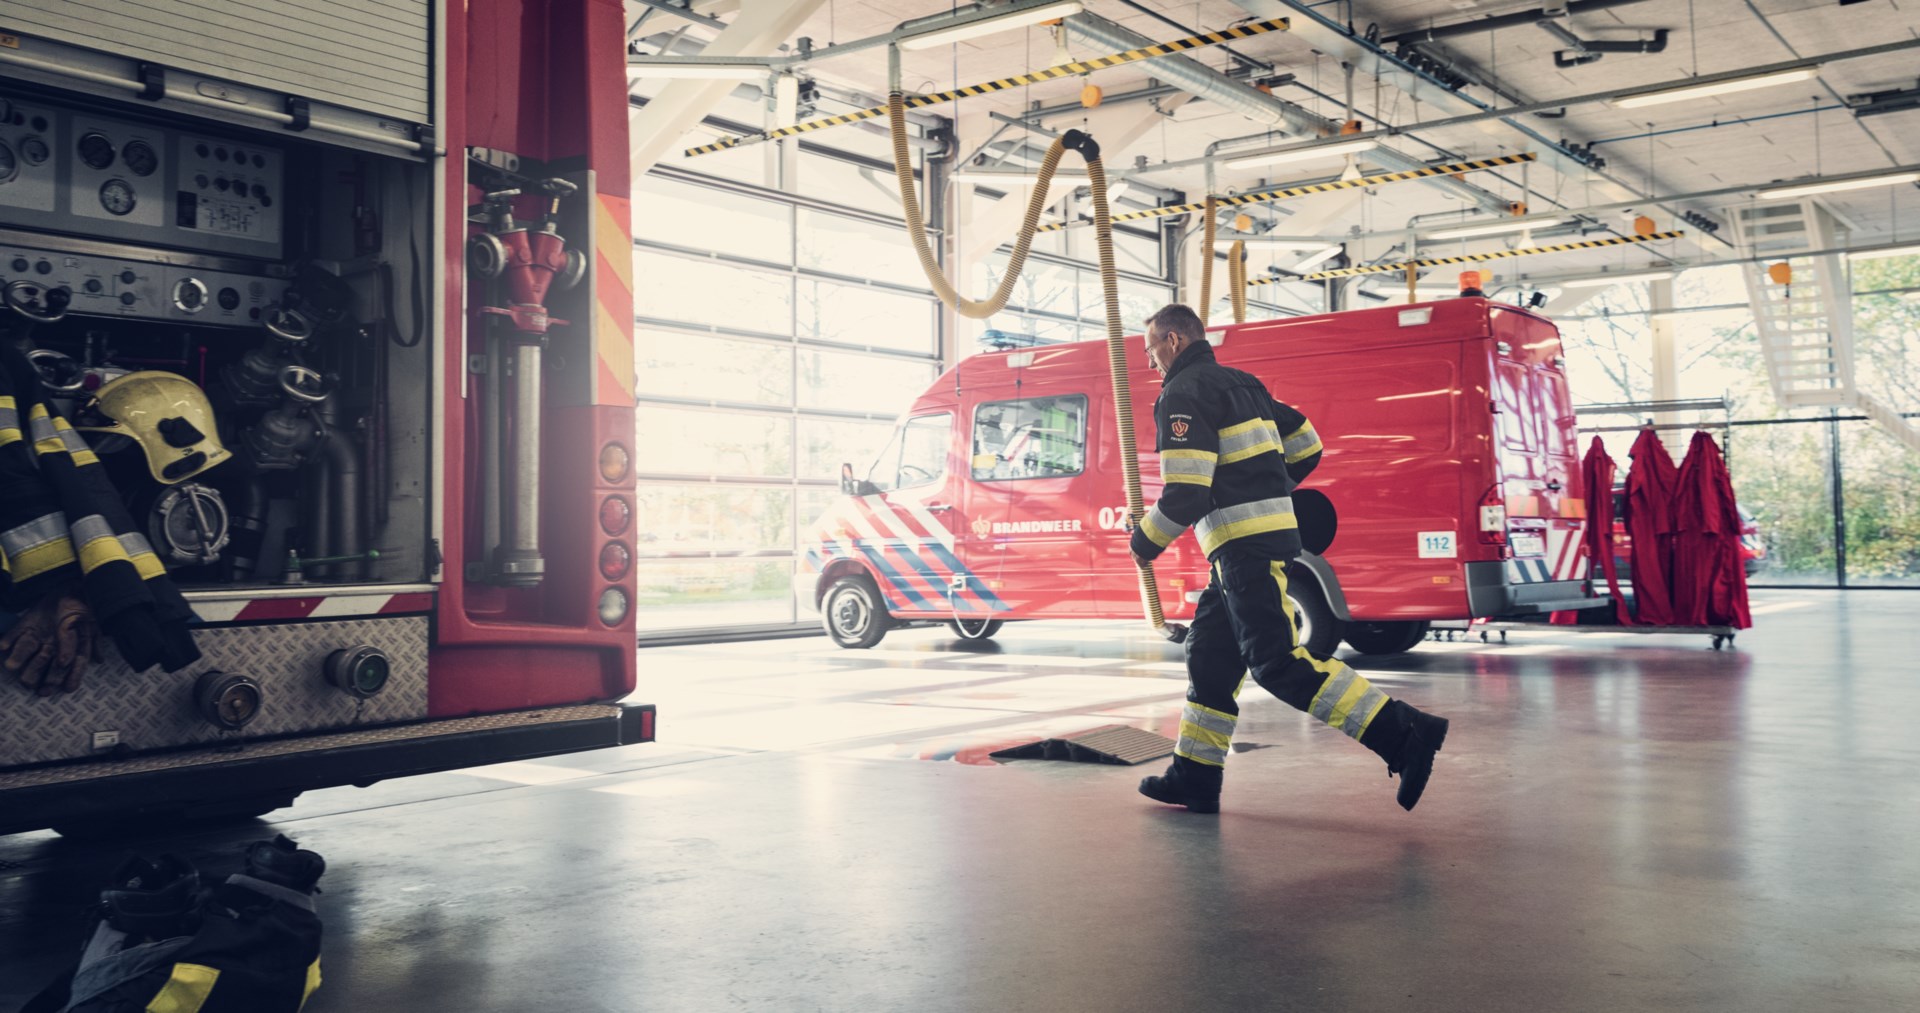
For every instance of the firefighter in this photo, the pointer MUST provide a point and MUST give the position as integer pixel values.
(1225, 448)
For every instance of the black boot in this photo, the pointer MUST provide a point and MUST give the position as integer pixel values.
(283, 863)
(1188, 783)
(152, 900)
(1414, 760)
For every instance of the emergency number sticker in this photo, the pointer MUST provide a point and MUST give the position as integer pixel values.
(1437, 545)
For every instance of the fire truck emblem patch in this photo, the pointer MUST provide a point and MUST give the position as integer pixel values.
(1179, 428)
(982, 527)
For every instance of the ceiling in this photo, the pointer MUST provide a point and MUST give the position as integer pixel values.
(1791, 131)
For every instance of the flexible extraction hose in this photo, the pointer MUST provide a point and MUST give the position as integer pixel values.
(1110, 292)
(1209, 230)
(916, 226)
(1237, 277)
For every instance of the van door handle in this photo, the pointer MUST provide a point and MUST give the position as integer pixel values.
(1553, 485)
(939, 507)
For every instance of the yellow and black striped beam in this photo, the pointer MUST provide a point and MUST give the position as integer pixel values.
(1016, 81)
(1285, 193)
(1472, 258)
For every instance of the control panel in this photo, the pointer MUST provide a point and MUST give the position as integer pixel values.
(82, 173)
(124, 286)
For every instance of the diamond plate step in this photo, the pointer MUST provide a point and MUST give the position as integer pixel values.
(1117, 744)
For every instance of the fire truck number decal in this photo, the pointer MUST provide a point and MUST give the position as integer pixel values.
(1113, 518)
(1437, 545)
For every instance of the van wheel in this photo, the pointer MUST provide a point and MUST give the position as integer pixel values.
(853, 612)
(975, 629)
(1315, 626)
(1386, 638)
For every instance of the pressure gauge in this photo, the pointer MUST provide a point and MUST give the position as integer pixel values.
(140, 158)
(9, 164)
(116, 195)
(189, 295)
(226, 699)
(96, 150)
(34, 150)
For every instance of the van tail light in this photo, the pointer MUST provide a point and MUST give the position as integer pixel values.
(1493, 517)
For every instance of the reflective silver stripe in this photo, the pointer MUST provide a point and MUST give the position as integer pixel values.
(1156, 523)
(1330, 693)
(90, 527)
(1208, 718)
(1188, 464)
(1279, 506)
(1194, 749)
(18, 541)
(75, 443)
(136, 543)
(41, 428)
(1370, 703)
(1301, 440)
(9, 417)
(1255, 440)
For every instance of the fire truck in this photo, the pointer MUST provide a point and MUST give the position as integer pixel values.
(384, 247)
(1450, 463)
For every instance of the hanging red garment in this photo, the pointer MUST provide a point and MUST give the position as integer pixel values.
(1596, 539)
(1709, 580)
(1649, 523)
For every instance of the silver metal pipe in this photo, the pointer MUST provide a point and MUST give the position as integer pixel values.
(520, 564)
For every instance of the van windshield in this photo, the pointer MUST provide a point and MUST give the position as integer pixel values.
(916, 455)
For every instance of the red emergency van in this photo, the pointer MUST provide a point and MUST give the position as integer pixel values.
(1450, 456)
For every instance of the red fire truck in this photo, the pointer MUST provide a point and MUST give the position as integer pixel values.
(1450, 458)
(389, 241)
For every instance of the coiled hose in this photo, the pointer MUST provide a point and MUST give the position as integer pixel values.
(1109, 288)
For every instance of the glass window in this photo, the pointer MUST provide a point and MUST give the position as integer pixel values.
(858, 249)
(1138, 301)
(699, 217)
(704, 519)
(852, 381)
(856, 186)
(1042, 437)
(857, 315)
(1139, 254)
(1878, 476)
(1783, 476)
(826, 444)
(917, 457)
(696, 594)
(692, 441)
(705, 292)
(677, 364)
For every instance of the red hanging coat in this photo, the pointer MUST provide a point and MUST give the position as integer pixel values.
(1596, 539)
(1649, 523)
(1709, 580)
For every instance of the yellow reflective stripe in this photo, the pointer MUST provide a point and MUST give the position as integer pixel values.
(1248, 439)
(98, 552)
(1364, 714)
(186, 990)
(31, 563)
(1243, 427)
(313, 982)
(1191, 467)
(1344, 706)
(1302, 443)
(1225, 533)
(75, 443)
(10, 434)
(1202, 712)
(1154, 525)
(1253, 450)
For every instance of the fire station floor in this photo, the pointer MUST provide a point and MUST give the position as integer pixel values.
(1618, 822)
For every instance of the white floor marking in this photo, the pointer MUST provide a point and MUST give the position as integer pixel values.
(529, 773)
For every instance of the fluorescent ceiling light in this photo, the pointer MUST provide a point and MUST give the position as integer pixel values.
(1314, 151)
(1622, 278)
(699, 71)
(1835, 186)
(989, 26)
(1494, 229)
(1694, 91)
(1897, 251)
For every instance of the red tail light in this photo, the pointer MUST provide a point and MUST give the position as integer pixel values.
(615, 560)
(1493, 516)
(615, 515)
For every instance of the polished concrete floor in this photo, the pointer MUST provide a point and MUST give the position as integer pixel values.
(1618, 823)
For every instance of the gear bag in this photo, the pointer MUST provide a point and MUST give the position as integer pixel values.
(164, 941)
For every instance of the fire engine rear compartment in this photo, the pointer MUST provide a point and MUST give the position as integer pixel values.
(1622, 823)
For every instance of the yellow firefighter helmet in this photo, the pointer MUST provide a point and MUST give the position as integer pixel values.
(167, 415)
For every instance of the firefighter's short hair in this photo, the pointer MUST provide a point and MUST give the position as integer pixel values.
(1179, 319)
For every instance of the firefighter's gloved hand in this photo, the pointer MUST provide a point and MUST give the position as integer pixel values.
(49, 648)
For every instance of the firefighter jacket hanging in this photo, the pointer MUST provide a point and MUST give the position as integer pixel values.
(62, 523)
(1216, 424)
(1649, 522)
(1709, 578)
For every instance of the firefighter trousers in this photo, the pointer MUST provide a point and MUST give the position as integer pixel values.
(1244, 623)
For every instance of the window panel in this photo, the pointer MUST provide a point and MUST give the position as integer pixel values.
(704, 292)
(1030, 438)
(826, 444)
(675, 364)
(685, 441)
(699, 217)
(674, 595)
(1138, 254)
(851, 381)
(857, 249)
(704, 519)
(856, 315)
(855, 186)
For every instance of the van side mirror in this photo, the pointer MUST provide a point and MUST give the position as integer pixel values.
(850, 486)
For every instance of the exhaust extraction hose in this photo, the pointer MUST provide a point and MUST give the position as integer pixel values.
(1236, 267)
(1109, 287)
